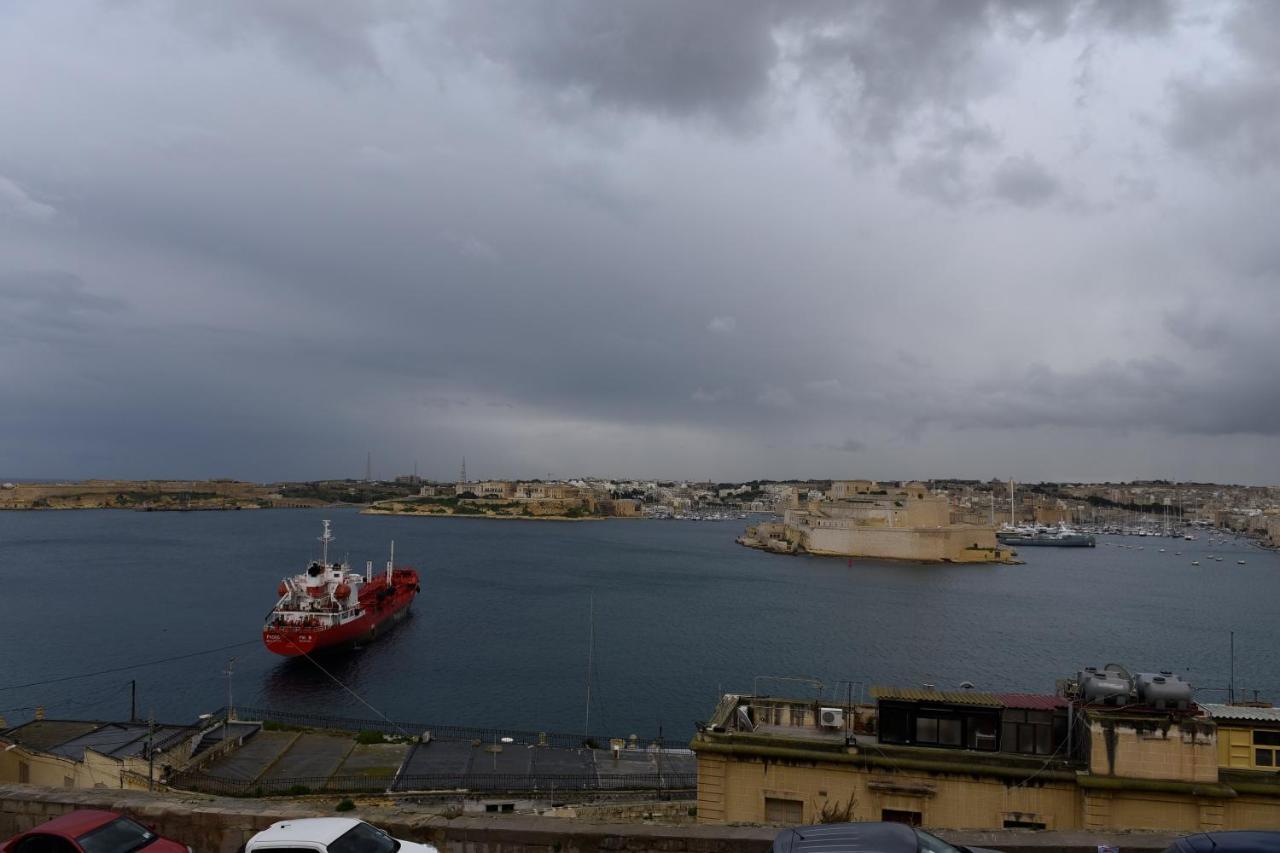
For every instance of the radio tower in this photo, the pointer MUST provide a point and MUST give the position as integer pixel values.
(368, 467)
(462, 475)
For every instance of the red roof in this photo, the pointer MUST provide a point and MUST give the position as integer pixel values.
(1032, 701)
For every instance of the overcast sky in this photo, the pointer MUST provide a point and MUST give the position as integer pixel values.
(735, 239)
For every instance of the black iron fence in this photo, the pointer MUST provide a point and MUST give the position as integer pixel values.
(417, 729)
(667, 785)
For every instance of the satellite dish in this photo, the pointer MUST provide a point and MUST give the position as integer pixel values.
(966, 685)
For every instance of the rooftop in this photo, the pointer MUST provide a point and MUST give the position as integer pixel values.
(951, 697)
(1241, 712)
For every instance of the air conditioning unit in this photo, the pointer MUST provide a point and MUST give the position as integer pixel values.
(831, 718)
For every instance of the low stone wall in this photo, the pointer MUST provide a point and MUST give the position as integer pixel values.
(221, 825)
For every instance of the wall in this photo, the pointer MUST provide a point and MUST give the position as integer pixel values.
(955, 801)
(1185, 751)
(953, 544)
(213, 825)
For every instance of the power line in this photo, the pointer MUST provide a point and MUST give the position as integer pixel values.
(127, 666)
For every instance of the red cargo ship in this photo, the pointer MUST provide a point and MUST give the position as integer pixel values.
(330, 607)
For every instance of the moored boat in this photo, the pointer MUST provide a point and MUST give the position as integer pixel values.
(329, 607)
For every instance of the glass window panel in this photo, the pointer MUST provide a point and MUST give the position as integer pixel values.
(1044, 740)
(1264, 757)
(950, 733)
(1009, 737)
(1266, 738)
(926, 730)
(1026, 739)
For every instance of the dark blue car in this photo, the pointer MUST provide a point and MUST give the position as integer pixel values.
(1239, 841)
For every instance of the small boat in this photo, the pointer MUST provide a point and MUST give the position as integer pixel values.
(1239, 562)
(1195, 562)
(1161, 550)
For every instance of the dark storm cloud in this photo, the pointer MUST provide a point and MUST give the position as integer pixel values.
(1024, 182)
(49, 302)
(649, 238)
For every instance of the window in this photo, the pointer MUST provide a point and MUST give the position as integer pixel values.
(797, 715)
(120, 834)
(1029, 732)
(1266, 749)
(363, 838)
(895, 725)
(933, 844)
(778, 810)
(900, 816)
(926, 730)
(24, 772)
(1024, 824)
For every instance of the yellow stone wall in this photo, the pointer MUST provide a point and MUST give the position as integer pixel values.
(1181, 751)
(734, 791)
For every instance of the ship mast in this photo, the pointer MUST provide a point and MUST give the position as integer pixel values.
(324, 541)
(391, 562)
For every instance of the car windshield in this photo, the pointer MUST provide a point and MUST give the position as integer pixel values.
(934, 844)
(120, 836)
(363, 838)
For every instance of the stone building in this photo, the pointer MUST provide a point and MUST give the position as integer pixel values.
(864, 519)
(971, 760)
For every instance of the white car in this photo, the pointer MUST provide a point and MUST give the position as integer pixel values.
(329, 835)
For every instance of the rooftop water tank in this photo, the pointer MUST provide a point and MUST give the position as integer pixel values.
(1111, 686)
(1163, 690)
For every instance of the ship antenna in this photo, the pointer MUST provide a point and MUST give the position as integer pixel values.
(325, 540)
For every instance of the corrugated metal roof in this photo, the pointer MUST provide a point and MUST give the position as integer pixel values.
(1031, 701)
(951, 697)
(1241, 712)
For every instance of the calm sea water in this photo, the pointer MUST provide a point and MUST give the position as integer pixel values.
(499, 636)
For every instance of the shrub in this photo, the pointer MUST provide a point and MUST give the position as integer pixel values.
(344, 805)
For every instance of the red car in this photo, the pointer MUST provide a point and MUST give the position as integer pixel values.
(91, 832)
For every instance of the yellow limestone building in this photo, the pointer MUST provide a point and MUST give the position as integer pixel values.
(972, 760)
(865, 519)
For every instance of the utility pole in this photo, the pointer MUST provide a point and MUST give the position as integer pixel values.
(1231, 687)
(368, 467)
(151, 752)
(133, 700)
(231, 708)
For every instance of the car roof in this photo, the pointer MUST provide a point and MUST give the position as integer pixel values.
(320, 830)
(1235, 841)
(868, 837)
(76, 823)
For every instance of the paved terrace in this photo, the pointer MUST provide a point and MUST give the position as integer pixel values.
(272, 761)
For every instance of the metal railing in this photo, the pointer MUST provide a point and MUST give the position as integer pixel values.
(415, 729)
(668, 784)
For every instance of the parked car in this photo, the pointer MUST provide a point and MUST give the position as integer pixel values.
(1235, 841)
(91, 831)
(329, 835)
(869, 837)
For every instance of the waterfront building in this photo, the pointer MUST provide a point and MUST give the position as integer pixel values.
(965, 759)
(497, 489)
(865, 519)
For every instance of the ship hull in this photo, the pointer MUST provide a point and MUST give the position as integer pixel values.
(380, 616)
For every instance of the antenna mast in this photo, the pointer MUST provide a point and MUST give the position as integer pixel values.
(324, 541)
(391, 562)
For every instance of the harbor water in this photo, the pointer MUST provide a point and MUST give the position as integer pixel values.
(501, 634)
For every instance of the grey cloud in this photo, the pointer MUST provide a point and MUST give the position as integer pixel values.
(1024, 182)
(41, 302)
(330, 37)
(1233, 119)
(18, 203)
(849, 445)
